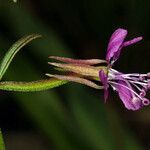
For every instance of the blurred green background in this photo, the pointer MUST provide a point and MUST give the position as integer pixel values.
(72, 117)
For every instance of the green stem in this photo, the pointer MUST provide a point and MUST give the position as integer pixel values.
(39, 85)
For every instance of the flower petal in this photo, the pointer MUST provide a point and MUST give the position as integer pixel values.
(103, 79)
(130, 102)
(115, 44)
(133, 41)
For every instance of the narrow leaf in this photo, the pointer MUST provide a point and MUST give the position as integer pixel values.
(13, 51)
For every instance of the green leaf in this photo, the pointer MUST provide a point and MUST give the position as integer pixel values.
(13, 51)
(2, 147)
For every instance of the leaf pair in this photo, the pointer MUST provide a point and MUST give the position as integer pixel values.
(24, 86)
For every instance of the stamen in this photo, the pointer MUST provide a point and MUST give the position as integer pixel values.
(142, 93)
(140, 83)
(130, 78)
(132, 91)
(145, 101)
(142, 78)
(136, 83)
(136, 86)
(148, 83)
(114, 71)
(134, 75)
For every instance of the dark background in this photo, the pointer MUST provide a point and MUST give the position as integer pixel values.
(72, 117)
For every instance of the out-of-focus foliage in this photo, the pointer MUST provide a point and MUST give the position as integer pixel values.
(73, 116)
(2, 147)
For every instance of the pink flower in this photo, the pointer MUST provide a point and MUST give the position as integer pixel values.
(131, 88)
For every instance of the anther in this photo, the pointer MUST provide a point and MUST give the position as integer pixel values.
(145, 101)
(142, 93)
(141, 78)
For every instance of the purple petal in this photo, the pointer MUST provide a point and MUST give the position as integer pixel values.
(131, 102)
(133, 41)
(115, 44)
(103, 79)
